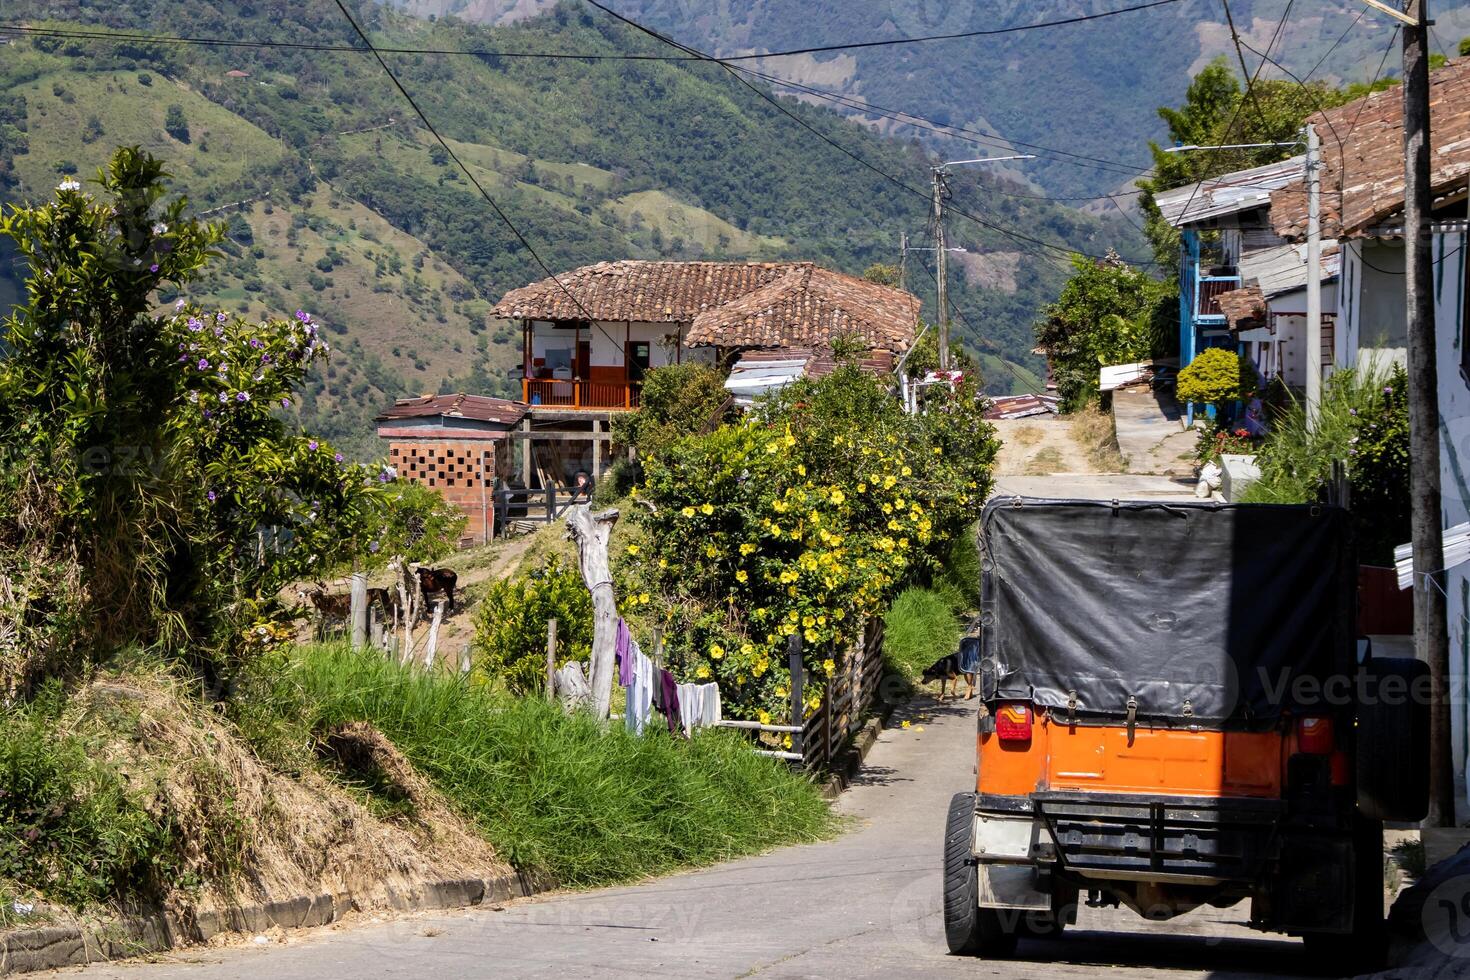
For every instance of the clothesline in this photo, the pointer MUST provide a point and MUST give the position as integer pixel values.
(648, 686)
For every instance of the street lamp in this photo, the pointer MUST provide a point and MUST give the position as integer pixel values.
(940, 172)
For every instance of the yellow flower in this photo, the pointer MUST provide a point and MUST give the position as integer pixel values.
(764, 717)
(706, 509)
(632, 549)
(747, 548)
(702, 670)
(739, 678)
(838, 496)
(811, 636)
(786, 741)
(808, 621)
(821, 620)
(663, 563)
(747, 649)
(801, 469)
(838, 614)
(772, 448)
(781, 692)
(790, 440)
(906, 471)
(775, 530)
(687, 511)
(938, 451)
(761, 666)
(716, 651)
(643, 598)
(862, 488)
(710, 551)
(890, 480)
(903, 724)
(741, 576)
(793, 615)
(829, 666)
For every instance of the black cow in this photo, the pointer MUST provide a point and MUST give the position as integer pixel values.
(442, 580)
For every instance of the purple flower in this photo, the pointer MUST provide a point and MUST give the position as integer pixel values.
(1352, 411)
(195, 324)
(285, 403)
(224, 397)
(203, 365)
(1387, 390)
(303, 317)
(312, 445)
(153, 267)
(208, 414)
(243, 396)
(384, 478)
(179, 305)
(183, 358)
(337, 457)
(210, 495)
(256, 343)
(265, 358)
(220, 316)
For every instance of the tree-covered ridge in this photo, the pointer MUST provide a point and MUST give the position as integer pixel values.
(592, 160)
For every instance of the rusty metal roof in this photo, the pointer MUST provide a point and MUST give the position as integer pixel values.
(1363, 179)
(1021, 406)
(477, 407)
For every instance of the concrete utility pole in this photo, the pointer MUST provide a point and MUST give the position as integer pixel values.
(942, 268)
(903, 261)
(1314, 274)
(1431, 627)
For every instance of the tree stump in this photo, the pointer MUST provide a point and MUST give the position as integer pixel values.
(590, 532)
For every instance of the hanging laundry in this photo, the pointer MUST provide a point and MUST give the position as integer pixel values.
(666, 699)
(638, 691)
(699, 706)
(622, 644)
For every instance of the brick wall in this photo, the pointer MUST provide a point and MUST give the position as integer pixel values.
(453, 468)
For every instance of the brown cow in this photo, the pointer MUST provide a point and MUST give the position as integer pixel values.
(433, 580)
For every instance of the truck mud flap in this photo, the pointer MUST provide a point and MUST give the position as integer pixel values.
(1191, 841)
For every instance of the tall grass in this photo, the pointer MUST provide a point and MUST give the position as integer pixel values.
(920, 627)
(562, 794)
(1296, 461)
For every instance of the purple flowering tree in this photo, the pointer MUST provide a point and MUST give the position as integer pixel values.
(152, 494)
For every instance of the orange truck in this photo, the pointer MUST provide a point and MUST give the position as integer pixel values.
(1176, 711)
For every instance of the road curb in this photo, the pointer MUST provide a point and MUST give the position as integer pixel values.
(53, 947)
(847, 764)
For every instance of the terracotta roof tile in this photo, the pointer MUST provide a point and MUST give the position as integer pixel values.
(730, 304)
(1243, 308)
(811, 306)
(1363, 180)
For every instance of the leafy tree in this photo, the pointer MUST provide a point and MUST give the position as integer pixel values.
(510, 628)
(1108, 313)
(145, 452)
(1217, 110)
(677, 400)
(1216, 377)
(803, 518)
(175, 124)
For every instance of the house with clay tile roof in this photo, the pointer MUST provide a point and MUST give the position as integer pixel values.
(589, 335)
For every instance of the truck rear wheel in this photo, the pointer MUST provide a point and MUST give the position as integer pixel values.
(968, 929)
(1365, 949)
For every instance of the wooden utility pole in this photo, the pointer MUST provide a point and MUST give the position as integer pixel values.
(941, 268)
(1431, 627)
(1314, 274)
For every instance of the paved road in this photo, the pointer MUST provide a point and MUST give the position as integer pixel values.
(865, 904)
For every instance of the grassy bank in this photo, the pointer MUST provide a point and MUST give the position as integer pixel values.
(549, 791)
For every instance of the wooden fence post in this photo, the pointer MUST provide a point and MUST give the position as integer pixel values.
(434, 633)
(798, 707)
(551, 659)
(359, 610)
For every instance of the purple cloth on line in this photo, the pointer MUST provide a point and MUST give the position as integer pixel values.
(669, 688)
(622, 643)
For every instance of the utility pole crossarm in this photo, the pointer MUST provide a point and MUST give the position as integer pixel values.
(1393, 12)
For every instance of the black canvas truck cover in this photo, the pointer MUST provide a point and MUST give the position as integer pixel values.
(1205, 614)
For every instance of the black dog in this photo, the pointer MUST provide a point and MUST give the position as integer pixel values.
(948, 669)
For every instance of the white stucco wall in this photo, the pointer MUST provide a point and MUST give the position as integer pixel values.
(607, 340)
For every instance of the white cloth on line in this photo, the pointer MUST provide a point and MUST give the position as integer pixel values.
(699, 705)
(639, 694)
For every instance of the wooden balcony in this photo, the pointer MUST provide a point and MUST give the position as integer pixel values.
(575, 394)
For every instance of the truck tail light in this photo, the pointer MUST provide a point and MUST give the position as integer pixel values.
(1314, 736)
(1013, 723)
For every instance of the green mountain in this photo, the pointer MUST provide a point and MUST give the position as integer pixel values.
(340, 201)
(1081, 90)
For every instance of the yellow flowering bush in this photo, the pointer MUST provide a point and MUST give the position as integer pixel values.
(801, 519)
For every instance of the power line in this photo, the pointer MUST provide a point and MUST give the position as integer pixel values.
(852, 46)
(455, 157)
(992, 349)
(898, 182)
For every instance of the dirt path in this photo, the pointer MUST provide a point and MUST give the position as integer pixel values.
(1040, 446)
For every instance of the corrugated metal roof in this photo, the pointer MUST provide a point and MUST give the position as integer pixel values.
(1283, 268)
(1243, 190)
(758, 372)
(1021, 406)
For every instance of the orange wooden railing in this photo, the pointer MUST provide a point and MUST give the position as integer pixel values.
(581, 394)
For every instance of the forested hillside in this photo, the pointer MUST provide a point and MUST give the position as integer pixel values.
(339, 201)
(1083, 89)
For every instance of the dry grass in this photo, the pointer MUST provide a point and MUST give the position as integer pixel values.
(252, 833)
(1092, 428)
(1048, 460)
(1026, 435)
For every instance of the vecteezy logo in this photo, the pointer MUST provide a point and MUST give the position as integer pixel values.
(1446, 917)
(1162, 621)
(926, 18)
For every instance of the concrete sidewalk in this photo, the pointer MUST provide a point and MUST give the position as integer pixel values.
(1095, 486)
(1151, 433)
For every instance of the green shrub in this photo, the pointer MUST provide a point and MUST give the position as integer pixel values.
(677, 400)
(69, 827)
(1216, 376)
(920, 627)
(588, 803)
(510, 627)
(411, 521)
